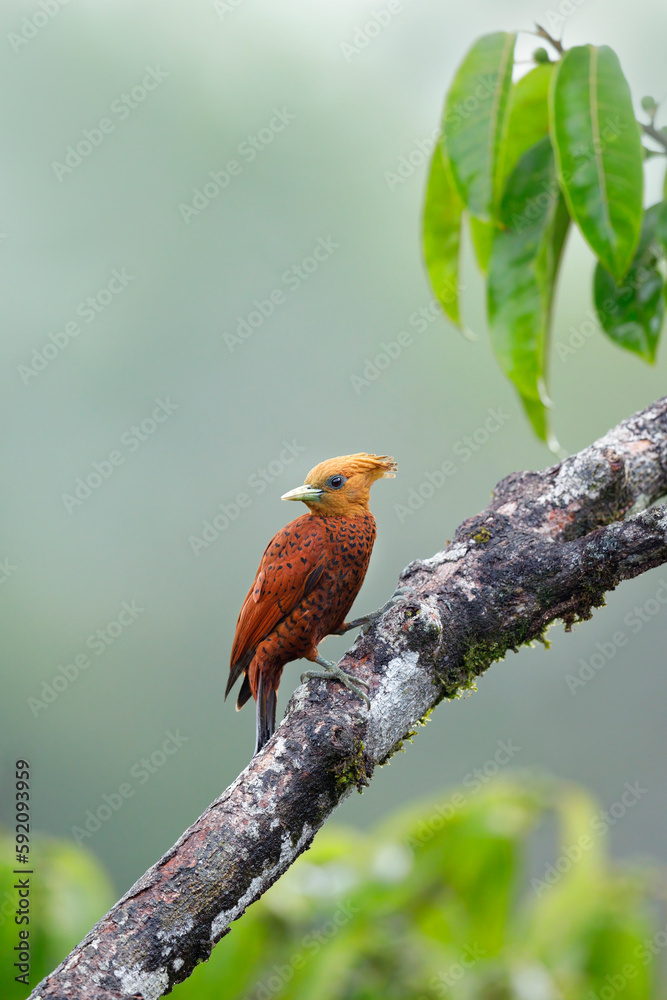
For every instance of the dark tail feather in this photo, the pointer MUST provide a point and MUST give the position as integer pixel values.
(244, 694)
(236, 669)
(266, 713)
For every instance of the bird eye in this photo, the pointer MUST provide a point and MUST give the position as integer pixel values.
(335, 482)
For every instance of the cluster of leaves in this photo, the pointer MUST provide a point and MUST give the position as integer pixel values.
(523, 160)
(456, 897)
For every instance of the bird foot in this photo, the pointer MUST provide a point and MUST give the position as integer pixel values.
(332, 672)
(400, 594)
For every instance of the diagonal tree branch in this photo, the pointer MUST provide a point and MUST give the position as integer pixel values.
(548, 546)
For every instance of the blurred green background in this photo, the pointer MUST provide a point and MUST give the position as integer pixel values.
(224, 76)
(444, 898)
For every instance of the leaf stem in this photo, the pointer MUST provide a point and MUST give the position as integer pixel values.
(543, 33)
(650, 129)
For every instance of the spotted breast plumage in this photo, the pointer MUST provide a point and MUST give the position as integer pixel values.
(307, 581)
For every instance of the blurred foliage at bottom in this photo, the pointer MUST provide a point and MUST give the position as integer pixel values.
(497, 890)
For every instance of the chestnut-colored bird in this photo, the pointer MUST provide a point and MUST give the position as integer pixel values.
(309, 576)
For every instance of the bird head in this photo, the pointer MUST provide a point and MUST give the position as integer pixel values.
(342, 485)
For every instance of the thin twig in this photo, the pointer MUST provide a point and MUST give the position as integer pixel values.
(650, 129)
(541, 32)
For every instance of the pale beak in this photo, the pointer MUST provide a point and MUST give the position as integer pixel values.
(304, 493)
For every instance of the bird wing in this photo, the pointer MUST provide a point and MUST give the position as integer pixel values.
(292, 563)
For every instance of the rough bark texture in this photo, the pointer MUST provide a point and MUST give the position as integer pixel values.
(548, 546)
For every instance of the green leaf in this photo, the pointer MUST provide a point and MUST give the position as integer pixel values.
(538, 415)
(442, 234)
(598, 152)
(527, 123)
(522, 272)
(660, 223)
(475, 120)
(528, 119)
(631, 313)
(482, 238)
(650, 154)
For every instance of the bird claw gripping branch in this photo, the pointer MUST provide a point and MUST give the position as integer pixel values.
(400, 594)
(332, 672)
(309, 576)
